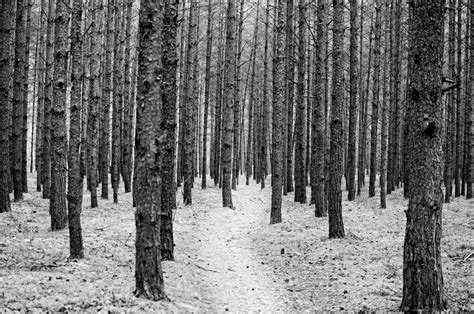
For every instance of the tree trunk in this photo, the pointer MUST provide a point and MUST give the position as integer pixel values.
(277, 118)
(57, 204)
(93, 110)
(6, 14)
(237, 109)
(75, 178)
(252, 105)
(459, 120)
(107, 88)
(300, 186)
(353, 108)
(117, 102)
(189, 96)
(384, 123)
(48, 94)
(127, 127)
(228, 114)
(318, 130)
(168, 124)
(336, 226)
(207, 93)
(148, 272)
(18, 100)
(422, 274)
(470, 110)
(375, 99)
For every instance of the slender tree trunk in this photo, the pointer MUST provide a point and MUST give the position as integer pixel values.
(168, 124)
(57, 204)
(33, 161)
(375, 99)
(300, 186)
(277, 118)
(336, 226)
(207, 93)
(127, 104)
(75, 179)
(18, 100)
(93, 110)
(384, 123)
(6, 17)
(252, 105)
(26, 70)
(48, 94)
(107, 88)
(148, 272)
(470, 110)
(265, 105)
(353, 108)
(459, 119)
(117, 101)
(228, 116)
(422, 274)
(218, 110)
(237, 109)
(190, 96)
(318, 130)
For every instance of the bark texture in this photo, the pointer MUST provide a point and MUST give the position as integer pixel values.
(422, 273)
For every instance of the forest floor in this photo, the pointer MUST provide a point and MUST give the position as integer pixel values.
(228, 259)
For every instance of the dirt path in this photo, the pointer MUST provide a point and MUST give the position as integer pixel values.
(225, 255)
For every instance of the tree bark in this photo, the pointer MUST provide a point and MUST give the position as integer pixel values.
(168, 126)
(336, 226)
(422, 273)
(6, 32)
(75, 178)
(277, 118)
(228, 115)
(148, 272)
(300, 186)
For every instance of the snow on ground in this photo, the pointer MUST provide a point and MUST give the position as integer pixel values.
(228, 259)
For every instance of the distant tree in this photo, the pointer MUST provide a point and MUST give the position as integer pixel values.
(422, 274)
(6, 13)
(375, 98)
(106, 101)
(265, 103)
(300, 186)
(148, 272)
(277, 118)
(336, 226)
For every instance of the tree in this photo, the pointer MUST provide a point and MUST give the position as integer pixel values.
(107, 88)
(207, 92)
(6, 12)
(336, 226)
(148, 156)
(228, 116)
(318, 117)
(190, 97)
(470, 111)
(300, 186)
(168, 126)
(422, 273)
(57, 204)
(353, 110)
(75, 178)
(117, 101)
(375, 99)
(265, 103)
(289, 96)
(93, 110)
(277, 121)
(18, 99)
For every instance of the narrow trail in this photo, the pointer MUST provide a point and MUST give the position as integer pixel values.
(226, 260)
